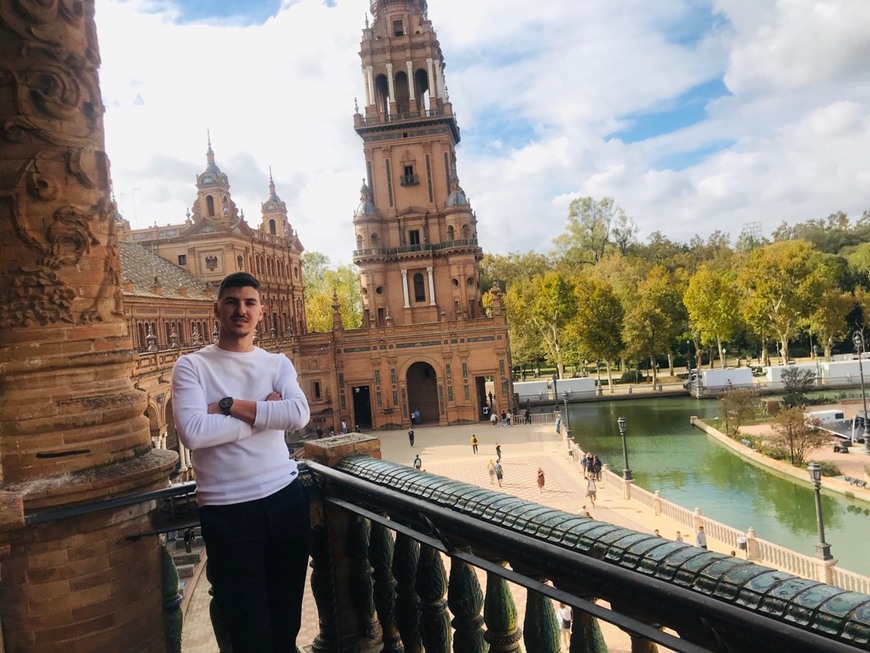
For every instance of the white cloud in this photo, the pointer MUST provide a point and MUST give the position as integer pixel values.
(561, 74)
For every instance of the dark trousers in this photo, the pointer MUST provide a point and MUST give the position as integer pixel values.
(257, 562)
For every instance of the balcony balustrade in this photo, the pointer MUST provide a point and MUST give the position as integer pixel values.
(382, 531)
(409, 249)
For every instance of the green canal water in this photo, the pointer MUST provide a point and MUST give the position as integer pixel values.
(691, 469)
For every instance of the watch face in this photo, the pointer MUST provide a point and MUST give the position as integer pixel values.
(225, 404)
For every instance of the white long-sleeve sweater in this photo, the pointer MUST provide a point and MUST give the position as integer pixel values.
(233, 461)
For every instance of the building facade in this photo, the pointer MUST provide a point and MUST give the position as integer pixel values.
(426, 345)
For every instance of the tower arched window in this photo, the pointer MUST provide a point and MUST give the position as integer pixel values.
(382, 95)
(209, 206)
(419, 288)
(273, 228)
(466, 232)
(421, 88)
(359, 241)
(451, 233)
(375, 240)
(403, 92)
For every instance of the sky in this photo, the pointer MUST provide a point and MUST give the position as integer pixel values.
(694, 115)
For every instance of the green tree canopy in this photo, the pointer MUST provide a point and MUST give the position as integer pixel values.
(322, 285)
(780, 284)
(712, 300)
(593, 226)
(539, 310)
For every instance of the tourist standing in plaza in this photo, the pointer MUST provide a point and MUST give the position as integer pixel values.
(490, 468)
(418, 462)
(493, 419)
(541, 479)
(591, 489)
(566, 619)
(232, 404)
(498, 452)
(474, 443)
(701, 538)
(411, 436)
(499, 473)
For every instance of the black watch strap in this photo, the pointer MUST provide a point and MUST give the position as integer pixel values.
(225, 404)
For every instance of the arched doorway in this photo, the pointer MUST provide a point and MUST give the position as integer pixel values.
(423, 392)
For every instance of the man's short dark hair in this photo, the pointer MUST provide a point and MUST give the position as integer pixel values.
(238, 280)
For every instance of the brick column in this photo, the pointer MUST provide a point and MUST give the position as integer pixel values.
(72, 427)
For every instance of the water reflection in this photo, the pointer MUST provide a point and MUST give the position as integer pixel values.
(691, 469)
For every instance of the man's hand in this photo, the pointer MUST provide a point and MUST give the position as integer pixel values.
(214, 409)
(273, 396)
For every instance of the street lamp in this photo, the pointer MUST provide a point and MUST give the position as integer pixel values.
(823, 549)
(626, 472)
(858, 339)
(567, 415)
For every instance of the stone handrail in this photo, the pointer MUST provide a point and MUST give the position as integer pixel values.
(582, 557)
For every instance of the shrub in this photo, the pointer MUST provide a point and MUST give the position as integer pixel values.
(632, 376)
(829, 469)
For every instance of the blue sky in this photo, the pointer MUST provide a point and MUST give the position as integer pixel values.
(691, 114)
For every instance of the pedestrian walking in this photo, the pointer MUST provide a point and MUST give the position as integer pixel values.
(490, 468)
(418, 462)
(701, 538)
(474, 443)
(541, 479)
(411, 436)
(498, 452)
(527, 417)
(499, 473)
(566, 620)
(493, 419)
(509, 419)
(343, 426)
(503, 419)
(591, 489)
(596, 467)
(588, 463)
(679, 537)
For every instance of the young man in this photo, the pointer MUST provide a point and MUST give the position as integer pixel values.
(232, 403)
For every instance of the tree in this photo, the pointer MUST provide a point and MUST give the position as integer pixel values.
(738, 407)
(538, 311)
(797, 381)
(780, 284)
(597, 325)
(796, 435)
(654, 318)
(712, 302)
(590, 230)
(323, 285)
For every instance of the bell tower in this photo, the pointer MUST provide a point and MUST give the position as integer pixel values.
(213, 198)
(416, 234)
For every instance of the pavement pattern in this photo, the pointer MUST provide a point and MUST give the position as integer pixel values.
(447, 451)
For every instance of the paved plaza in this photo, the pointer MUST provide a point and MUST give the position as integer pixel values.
(447, 451)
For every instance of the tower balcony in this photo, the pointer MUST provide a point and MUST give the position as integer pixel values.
(396, 252)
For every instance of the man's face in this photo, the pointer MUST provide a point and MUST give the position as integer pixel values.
(238, 311)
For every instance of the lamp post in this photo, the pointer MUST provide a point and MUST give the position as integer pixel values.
(567, 416)
(818, 368)
(858, 339)
(626, 472)
(823, 549)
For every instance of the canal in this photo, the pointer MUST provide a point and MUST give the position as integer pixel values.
(691, 469)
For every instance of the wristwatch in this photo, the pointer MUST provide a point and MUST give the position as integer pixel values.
(225, 404)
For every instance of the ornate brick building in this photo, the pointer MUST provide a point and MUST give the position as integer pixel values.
(95, 314)
(425, 344)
